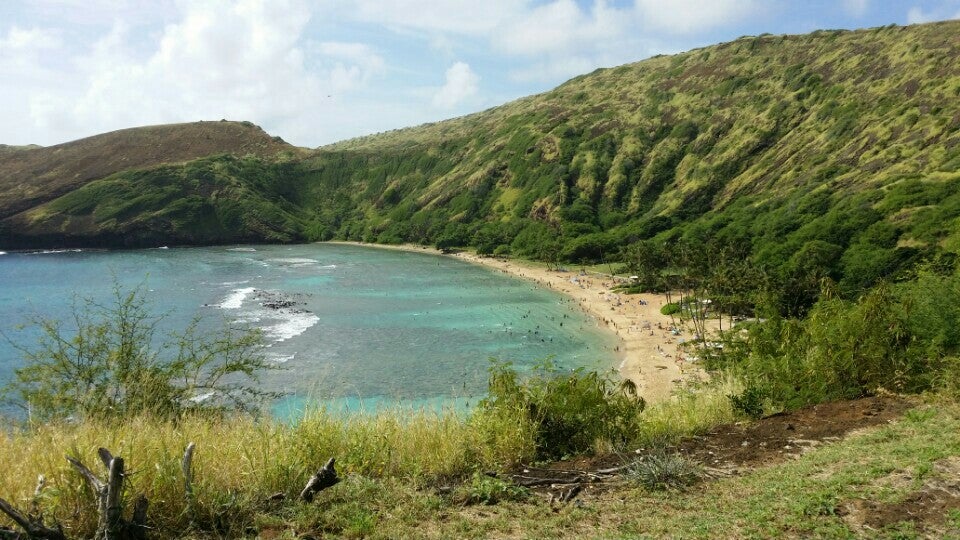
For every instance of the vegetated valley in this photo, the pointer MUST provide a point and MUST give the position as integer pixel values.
(809, 185)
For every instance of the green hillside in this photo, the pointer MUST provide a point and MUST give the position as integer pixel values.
(836, 152)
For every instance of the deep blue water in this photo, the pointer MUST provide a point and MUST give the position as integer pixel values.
(370, 325)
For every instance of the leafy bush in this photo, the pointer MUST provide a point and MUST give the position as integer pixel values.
(569, 412)
(486, 489)
(110, 365)
(671, 308)
(901, 338)
(662, 470)
(749, 402)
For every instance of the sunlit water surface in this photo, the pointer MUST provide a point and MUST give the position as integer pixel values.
(369, 327)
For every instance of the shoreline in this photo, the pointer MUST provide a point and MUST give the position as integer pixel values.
(649, 352)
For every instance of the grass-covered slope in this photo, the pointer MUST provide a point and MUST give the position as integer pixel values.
(31, 176)
(834, 149)
(847, 138)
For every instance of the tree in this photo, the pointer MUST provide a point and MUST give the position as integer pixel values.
(646, 260)
(108, 363)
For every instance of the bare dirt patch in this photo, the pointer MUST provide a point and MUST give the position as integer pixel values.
(926, 510)
(726, 449)
(778, 437)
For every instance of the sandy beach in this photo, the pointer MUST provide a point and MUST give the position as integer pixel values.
(649, 350)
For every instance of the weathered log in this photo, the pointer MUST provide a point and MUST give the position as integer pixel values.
(187, 467)
(105, 456)
(87, 474)
(325, 477)
(111, 513)
(533, 482)
(571, 494)
(138, 521)
(35, 503)
(110, 523)
(32, 527)
(613, 470)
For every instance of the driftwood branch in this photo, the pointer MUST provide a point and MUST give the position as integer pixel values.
(35, 503)
(111, 525)
(533, 482)
(325, 477)
(105, 456)
(95, 484)
(187, 467)
(111, 518)
(139, 518)
(29, 524)
(571, 494)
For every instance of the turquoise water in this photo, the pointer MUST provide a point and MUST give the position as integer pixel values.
(367, 328)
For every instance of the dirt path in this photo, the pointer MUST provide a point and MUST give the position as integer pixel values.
(778, 437)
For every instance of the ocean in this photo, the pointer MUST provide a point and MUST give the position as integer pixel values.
(352, 327)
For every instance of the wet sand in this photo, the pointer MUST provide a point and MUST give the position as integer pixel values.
(649, 350)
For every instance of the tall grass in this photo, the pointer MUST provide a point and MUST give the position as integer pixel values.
(690, 412)
(239, 462)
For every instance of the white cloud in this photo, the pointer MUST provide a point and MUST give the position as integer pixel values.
(917, 15)
(856, 8)
(353, 64)
(242, 59)
(464, 17)
(19, 40)
(311, 70)
(461, 84)
(559, 27)
(689, 16)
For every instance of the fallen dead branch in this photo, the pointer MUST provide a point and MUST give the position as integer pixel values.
(324, 478)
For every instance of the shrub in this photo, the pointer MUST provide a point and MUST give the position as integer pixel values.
(486, 489)
(749, 402)
(670, 309)
(110, 365)
(662, 470)
(569, 413)
(900, 338)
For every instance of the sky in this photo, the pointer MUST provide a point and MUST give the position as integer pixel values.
(319, 71)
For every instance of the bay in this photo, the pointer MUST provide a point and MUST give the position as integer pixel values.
(352, 327)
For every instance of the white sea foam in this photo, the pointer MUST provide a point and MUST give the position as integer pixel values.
(233, 283)
(236, 298)
(50, 251)
(245, 249)
(3, 252)
(291, 324)
(282, 358)
(294, 260)
(202, 397)
(329, 266)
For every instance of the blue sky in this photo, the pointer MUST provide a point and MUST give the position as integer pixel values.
(320, 71)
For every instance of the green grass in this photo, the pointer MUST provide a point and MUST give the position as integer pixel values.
(421, 476)
(393, 463)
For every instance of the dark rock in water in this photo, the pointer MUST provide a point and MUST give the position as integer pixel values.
(277, 300)
(278, 304)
